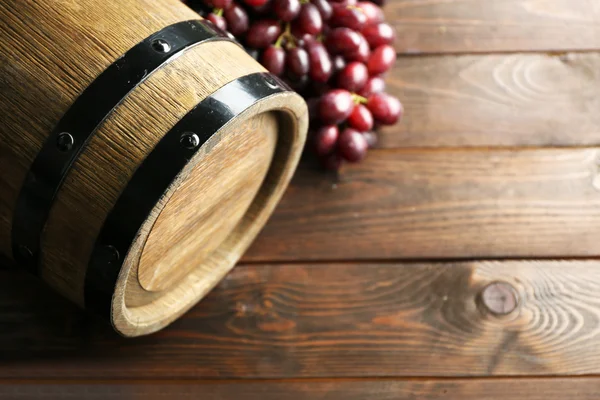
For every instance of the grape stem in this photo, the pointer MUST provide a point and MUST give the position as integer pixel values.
(359, 99)
(287, 34)
(218, 12)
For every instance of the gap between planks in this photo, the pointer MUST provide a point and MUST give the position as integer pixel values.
(453, 204)
(397, 389)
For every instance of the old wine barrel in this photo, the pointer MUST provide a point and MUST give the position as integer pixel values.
(141, 151)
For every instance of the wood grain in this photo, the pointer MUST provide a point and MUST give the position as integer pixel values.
(467, 26)
(441, 204)
(496, 100)
(50, 52)
(228, 179)
(117, 149)
(387, 389)
(327, 320)
(122, 141)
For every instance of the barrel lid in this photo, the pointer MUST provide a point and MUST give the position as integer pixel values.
(208, 203)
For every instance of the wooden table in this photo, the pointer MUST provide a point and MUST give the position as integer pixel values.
(371, 284)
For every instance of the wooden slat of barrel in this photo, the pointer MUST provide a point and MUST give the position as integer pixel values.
(72, 57)
(117, 149)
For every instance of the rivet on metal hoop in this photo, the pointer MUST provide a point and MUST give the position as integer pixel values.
(189, 140)
(161, 46)
(65, 141)
(111, 254)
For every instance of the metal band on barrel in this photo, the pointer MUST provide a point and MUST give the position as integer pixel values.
(79, 123)
(153, 177)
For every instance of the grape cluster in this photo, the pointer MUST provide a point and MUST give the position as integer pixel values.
(333, 52)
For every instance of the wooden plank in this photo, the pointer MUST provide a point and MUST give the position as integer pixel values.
(441, 204)
(327, 320)
(397, 389)
(467, 26)
(496, 100)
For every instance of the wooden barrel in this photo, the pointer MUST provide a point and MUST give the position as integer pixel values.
(141, 151)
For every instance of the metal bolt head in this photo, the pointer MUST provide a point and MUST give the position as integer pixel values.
(65, 141)
(190, 140)
(499, 298)
(112, 254)
(161, 46)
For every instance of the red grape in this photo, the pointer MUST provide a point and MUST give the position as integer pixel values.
(218, 20)
(352, 145)
(286, 10)
(297, 61)
(338, 63)
(353, 77)
(336, 105)
(303, 39)
(381, 59)
(324, 8)
(386, 109)
(223, 4)
(361, 118)
(325, 139)
(309, 20)
(237, 19)
(373, 85)
(349, 17)
(261, 10)
(373, 12)
(371, 138)
(321, 67)
(262, 33)
(343, 40)
(333, 52)
(273, 59)
(362, 53)
(255, 3)
(379, 34)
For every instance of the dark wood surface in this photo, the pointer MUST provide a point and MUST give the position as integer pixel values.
(368, 284)
(327, 320)
(502, 100)
(386, 389)
(441, 203)
(468, 26)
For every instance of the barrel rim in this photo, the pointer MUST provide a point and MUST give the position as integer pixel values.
(136, 320)
(154, 176)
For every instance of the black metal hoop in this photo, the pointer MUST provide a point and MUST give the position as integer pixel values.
(77, 126)
(154, 175)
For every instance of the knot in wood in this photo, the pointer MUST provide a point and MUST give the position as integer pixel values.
(499, 298)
